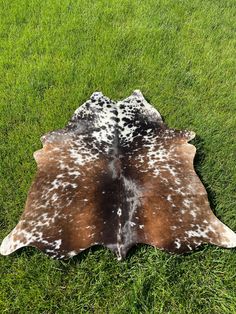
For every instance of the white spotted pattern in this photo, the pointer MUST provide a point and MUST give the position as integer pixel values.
(97, 174)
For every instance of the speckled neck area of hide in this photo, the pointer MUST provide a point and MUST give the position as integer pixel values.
(115, 176)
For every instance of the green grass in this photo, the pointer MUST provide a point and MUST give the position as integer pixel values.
(181, 54)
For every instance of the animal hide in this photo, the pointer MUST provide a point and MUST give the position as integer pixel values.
(116, 176)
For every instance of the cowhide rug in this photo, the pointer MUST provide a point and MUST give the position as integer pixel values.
(116, 176)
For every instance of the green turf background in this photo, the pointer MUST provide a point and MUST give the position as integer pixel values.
(181, 54)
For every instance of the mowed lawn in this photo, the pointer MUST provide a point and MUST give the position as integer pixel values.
(181, 55)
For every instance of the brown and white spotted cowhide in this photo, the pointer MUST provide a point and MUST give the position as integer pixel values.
(116, 175)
